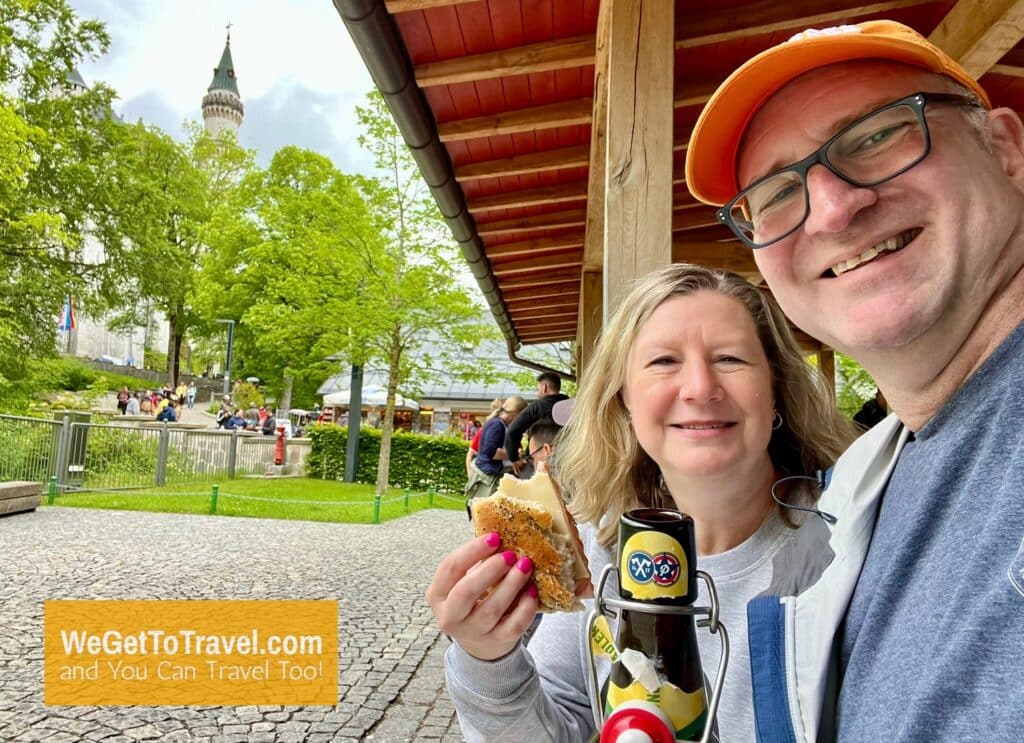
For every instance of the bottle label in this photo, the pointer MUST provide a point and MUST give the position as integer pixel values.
(601, 642)
(654, 566)
(686, 710)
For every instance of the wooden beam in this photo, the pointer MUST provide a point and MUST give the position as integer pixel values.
(769, 16)
(549, 116)
(588, 324)
(560, 292)
(638, 162)
(534, 313)
(523, 303)
(593, 247)
(547, 277)
(536, 340)
(827, 364)
(692, 218)
(731, 256)
(977, 33)
(551, 322)
(540, 245)
(558, 54)
(554, 194)
(694, 93)
(405, 6)
(534, 162)
(1011, 65)
(545, 221)
(546, 263)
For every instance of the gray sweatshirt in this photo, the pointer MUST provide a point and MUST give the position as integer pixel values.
(538, 692)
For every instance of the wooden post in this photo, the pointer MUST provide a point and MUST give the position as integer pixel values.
(639, 46)
(827, 364)
(589, 321)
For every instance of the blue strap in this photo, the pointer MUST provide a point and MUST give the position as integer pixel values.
(766, 629)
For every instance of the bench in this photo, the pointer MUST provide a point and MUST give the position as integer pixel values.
(19, 496)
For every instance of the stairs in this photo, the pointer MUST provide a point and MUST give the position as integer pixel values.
(19, 496)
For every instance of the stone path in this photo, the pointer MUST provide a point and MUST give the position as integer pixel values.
(391, 685)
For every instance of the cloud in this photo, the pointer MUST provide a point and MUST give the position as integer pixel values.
(153, 109)
(296, 115)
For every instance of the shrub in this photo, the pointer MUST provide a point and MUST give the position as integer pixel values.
(245, 395)
(418, 461)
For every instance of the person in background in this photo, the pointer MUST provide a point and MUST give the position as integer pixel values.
(169, 413)
(133, 407)
(190, 394)
(486, 470)
(235, 421)
(474, 445)
(122, 400)
(162, 404)
(269, 425)
(146, 403)
(540, 441)
(549, 386)
(696, 398)
(885, 196)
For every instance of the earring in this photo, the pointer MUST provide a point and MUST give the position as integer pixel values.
(777, 421)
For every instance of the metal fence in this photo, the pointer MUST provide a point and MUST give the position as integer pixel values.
(114, 456)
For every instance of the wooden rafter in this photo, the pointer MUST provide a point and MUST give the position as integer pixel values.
(545, 221)
(548, 337)
(566, 259)
(533, 313)
(1011, 65)
(539, 245)
(564, 113)
(977, 33)
(524, 303)
(768, 16)
(554, 194)
(544, 277)
(693, 218)
(559, 292)
(405, 6)
(542, 57)
(732, 256)
(534, 162)
(549, 322)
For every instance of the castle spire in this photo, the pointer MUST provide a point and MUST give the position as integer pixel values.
(222, 104)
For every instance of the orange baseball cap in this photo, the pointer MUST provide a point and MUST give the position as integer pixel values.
(711, 156)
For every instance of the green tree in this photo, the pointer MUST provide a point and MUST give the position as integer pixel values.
(853, 384)
(416, 319)
(176, 195)
(59, 193)
(285, 273)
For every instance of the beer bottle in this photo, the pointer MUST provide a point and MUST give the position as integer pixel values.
(658, 659)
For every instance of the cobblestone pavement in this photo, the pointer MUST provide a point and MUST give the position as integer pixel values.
(391, 685)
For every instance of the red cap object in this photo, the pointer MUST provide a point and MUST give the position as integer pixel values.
(637, 723)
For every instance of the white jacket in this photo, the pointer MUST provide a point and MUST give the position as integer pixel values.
(793, 638)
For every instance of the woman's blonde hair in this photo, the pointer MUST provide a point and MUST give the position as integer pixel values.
(496, 404)
(514, 404)
(600, 462)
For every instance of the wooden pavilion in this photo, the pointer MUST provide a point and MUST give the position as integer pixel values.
(553, 132)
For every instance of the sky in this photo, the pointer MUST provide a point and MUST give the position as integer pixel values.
(298, 73)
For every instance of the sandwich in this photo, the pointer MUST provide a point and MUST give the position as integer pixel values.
(533, 522)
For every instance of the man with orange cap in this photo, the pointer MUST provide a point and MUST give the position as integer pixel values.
(883, 197)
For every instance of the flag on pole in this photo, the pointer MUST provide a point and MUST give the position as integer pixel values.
(68, 320)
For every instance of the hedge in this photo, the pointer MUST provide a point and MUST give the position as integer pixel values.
(418, 461)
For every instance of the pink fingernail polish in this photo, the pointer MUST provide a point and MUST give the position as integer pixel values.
(493, 539)
(531, 591)
(525, 565)
(509, 557)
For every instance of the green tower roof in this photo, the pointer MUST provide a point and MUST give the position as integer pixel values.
(224, 73)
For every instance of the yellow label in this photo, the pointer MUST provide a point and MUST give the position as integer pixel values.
(190, 652)
(686, 710)
(601, 643)
(653, 565)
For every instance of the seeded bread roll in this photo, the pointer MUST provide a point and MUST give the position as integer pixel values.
(532, 521)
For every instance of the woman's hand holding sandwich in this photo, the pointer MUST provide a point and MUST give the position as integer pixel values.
(482, 598)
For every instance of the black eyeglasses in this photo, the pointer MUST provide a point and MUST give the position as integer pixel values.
(875, 148)
(531, 454)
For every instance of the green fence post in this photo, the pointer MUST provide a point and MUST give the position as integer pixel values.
(430, 497)
(213, 499)
(376, 509)
(405, 493)
(53, 491)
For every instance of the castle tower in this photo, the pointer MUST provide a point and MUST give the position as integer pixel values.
(222, 106)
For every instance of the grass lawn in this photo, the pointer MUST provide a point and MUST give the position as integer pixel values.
(270, 498)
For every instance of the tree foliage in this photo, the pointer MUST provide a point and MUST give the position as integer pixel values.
(418, 319)
(58, 182)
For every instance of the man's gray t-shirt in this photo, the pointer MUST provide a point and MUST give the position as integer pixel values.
(933, 646)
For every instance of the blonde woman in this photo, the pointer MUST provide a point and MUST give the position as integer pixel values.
(697, 398)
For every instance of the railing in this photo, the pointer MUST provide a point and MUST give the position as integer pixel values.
(93, 456)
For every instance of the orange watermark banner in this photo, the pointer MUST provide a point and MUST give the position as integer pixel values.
(190, 652)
